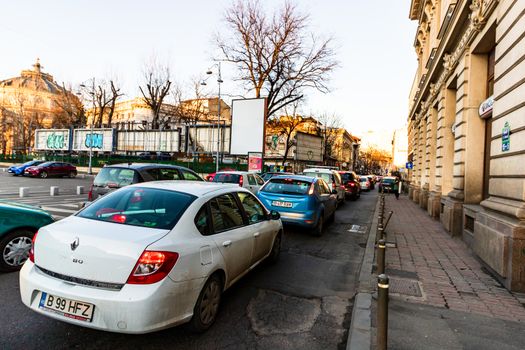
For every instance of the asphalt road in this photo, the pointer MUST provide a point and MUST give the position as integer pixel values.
(304, 301)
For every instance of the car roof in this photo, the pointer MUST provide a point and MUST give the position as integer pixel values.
(295, 177)
(236, 172)
(196, 188)
(138, 166)
(319, 170)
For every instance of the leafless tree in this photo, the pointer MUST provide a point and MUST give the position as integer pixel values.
(69, 110)
(27, 120)
(104, 94)
(372, 160)
(287, 126)
(276, 55)
(155, 88)
(329, 129)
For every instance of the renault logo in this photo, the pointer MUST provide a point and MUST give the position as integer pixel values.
(75, 244)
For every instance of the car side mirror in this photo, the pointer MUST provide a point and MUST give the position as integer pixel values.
(334, 191)
(274, 215)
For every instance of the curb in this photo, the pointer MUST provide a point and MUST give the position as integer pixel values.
(360, 332)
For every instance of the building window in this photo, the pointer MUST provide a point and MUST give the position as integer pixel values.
(469, 223)
(490, 75)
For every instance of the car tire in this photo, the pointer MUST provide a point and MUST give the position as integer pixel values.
(275, 253)
(20, 240)
(318, 230)
(43, 174)
(72, 174)
(207, 305)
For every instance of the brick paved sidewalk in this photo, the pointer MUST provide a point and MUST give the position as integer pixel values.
(449, 274)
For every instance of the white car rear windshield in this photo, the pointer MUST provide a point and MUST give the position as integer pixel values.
(136, 206)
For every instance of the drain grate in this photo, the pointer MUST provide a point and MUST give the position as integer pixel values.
(406, 287)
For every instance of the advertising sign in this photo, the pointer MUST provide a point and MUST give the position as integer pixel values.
(148, 140)
(255, 162)
(100, 140)
(52, 139)
(247, 129)
(505, 137)
(308, 147)
(203, 139)
(485, 108)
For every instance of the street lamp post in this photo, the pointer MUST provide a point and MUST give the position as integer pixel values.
(219, 80)
(92, 93)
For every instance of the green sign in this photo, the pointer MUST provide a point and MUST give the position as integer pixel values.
(505, 137)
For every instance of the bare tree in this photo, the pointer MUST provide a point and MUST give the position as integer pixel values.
(329, 130)
(104, 94)
(27, 120)
(287, 126)
(372, 160)
(69, 110)
(155, 88)
(276, 56)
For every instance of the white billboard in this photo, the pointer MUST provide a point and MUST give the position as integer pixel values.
(52, 139)
(308, 147)
(203, 139)
(149, 141)
(247, 129)
(100, 140)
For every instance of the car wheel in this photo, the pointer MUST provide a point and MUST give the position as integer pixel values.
(72, 174)
(276, 249)
(43, 174)
(14, 250)
(318, 230)
(207, 306)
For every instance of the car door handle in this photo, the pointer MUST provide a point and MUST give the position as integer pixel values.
(256, 234)
(226, 243)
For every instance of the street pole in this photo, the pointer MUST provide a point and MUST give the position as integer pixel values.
(219, 80)
(90, 172)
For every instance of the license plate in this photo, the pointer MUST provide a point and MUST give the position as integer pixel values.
(74, 309)
(282, 204)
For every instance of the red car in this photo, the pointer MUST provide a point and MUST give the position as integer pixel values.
(351, 183)
(51, 169)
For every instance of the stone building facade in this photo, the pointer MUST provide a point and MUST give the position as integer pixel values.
(467, 126)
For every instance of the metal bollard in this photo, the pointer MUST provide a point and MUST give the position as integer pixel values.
(380, 234)
(23, 192)
(382, 311)
(381, 247)
(53, 191)
(80, 190)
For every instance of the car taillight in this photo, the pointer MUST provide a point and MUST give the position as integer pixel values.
(241, 181)
(152, 267)
(90, 193)
(352, 184)
(32, 250)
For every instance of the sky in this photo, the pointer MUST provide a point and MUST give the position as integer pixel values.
(81, 39)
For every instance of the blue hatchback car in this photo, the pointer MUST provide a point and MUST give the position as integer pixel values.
(19, 169)
(301, 200)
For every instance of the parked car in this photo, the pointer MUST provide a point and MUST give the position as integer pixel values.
(300, 200)
(154, 155)
(387, 184)
(250, 181)
(267, 176)
(47, 169)
(364, 182)
(149, 256)
(20, 168)
(351, 184)
(116, 176)
(210, 176)
(18, 224)
(332, 178)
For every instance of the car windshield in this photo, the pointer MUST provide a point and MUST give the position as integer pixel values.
(45, 164)
(287, 186)
(388, 181)
(136, 206)
(347, 177)
(324, 176)
(32, 162)
(363, 179)
(115, 177)
(227, 178)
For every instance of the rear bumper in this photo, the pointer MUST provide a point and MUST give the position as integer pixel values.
(133, 309)
(306, 219)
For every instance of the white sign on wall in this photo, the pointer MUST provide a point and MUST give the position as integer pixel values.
(100, 140)
(52, 139)
(247, 129)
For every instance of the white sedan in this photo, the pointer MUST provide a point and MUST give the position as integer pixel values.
(149, 256)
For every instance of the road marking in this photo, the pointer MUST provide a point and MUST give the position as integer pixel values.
(357, 229)
(69, 205)
(59, 210)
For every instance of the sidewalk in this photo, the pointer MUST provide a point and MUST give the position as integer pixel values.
(465, 306)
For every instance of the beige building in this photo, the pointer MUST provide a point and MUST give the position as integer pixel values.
(399, 148)
(467, 126)
(30, 101)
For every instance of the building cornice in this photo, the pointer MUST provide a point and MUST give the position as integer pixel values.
(479, 12)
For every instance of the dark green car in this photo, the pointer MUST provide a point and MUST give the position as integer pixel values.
(18, 224)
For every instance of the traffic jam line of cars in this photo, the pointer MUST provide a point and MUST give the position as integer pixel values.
(158, 237)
